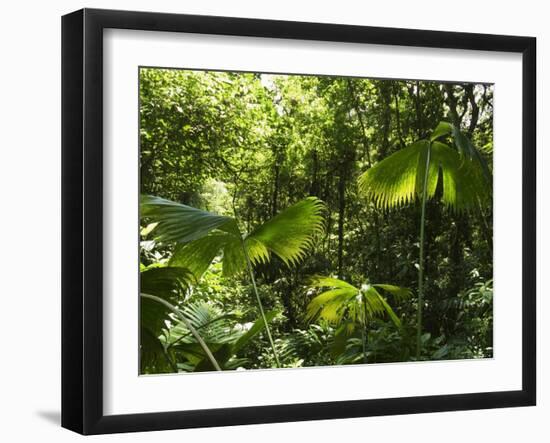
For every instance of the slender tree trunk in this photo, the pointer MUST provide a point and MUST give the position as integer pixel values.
(386, 121)
(453, 104)
(361, 123)
(274, 207)
(398, 116)
(286, 298)
(364, 335)
(421, 258)
(314, 187)
(418, 106)
(487, 233)
(341, 215)
(474, 117)
(253, 280)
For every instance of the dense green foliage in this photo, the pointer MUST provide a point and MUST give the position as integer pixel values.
(284, 217)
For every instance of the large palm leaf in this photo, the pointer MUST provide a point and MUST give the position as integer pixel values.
(289, 234)
(399, 178)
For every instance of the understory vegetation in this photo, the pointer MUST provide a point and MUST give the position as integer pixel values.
(291, 221)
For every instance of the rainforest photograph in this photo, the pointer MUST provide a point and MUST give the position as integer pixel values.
(291, 221)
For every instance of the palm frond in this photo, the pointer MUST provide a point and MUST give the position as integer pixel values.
(465, 183)
(399, 292)
(214, 326)
(320, 281)
(375, 307)
(180, 316)
(182, 223)
(326, 304)
(234, 260)
(399, 178)
(290, 233)
(394, 318)
(393, 181)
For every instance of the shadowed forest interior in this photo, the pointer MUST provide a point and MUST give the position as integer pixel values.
(299, 220)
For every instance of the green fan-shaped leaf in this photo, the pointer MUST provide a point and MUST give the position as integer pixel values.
(234, 260)
(214, 326)
(399, 178)
(326, 304)
(375, 308)
(393, 181)
(320, 281)
(290, 233)
(399, 292)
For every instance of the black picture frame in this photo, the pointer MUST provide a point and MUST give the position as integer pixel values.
(82, 239)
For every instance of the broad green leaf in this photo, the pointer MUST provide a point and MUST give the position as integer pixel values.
(393, 181)
(398, 291)
(375, 308)
(320, 305)
(291, 232)
(399, 179)
(320, 281)
(389, 311)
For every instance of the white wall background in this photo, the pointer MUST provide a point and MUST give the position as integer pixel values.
(30, 219)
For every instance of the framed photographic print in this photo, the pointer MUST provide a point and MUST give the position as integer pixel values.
(270, 221)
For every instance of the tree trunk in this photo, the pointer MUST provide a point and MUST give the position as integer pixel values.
(314, 187)
(398, 116)
(275, 197)
(341, 215)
